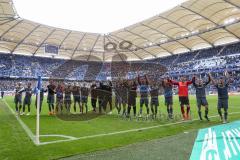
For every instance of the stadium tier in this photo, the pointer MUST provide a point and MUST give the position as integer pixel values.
(215, 60)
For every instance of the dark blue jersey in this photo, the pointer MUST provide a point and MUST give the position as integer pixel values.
(154, 91)
(42, 93)
(84, 91)
(28, 93)
(132, 91)
(124, 91)
(143, 89)
(201, 89)
(168, 91)
(18, 92)
(76, 91)
(222, 91)
(59, 94)
(51, 89)
(68, 93)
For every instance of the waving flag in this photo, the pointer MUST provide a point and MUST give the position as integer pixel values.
(39, 85)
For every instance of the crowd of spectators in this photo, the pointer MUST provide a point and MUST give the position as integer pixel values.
(31, 67)
(216, 59)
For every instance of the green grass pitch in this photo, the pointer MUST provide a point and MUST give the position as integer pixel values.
(104, 132)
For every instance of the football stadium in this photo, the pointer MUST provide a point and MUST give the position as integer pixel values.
(164, 87)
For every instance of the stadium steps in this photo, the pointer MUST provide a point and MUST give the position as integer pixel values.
(219, 53)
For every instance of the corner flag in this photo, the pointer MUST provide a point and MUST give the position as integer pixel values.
(39, 84)
(39, 87)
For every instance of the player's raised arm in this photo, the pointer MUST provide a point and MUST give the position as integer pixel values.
(212, 79)
(162, 82)
(190, 81)
(208, 81)
(147, 79)
(227, 77)
(110, 84)
(44, 90)
(194, 80)
(138, 79)
(173, 81)
(22, 90)
(226, 74)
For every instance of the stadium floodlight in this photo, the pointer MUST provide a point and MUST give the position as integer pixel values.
(51, 49)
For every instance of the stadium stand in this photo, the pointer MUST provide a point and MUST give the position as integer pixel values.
(197, 62)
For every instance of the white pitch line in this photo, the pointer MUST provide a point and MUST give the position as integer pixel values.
(58, 135)
(127, 131)
(29, 132)
(24, 126)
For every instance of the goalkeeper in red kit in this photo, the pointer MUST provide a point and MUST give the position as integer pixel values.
(183, 95)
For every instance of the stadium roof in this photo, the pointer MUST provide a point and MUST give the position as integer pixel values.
(192, 25)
